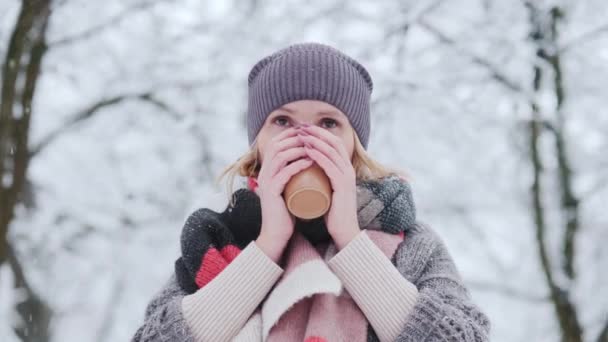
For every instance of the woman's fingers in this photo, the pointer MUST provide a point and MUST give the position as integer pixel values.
(287, 143)
(329, 138)
(286, 133)
(336, 158)
(288, 171)
(284, 157)
(327, 165)
(277, 145)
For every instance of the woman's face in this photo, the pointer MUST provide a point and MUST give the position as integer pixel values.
(312, 112)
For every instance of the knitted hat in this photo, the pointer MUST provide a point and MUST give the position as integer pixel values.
(311, 71)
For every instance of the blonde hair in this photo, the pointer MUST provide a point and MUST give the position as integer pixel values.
(366, 168)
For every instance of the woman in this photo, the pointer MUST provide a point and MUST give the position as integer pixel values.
(367, 270)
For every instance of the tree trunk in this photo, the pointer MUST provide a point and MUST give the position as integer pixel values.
(565, 310)
(20, 71)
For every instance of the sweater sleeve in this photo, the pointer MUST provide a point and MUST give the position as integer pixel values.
(383, 294)
(444, 310)
(217, 311)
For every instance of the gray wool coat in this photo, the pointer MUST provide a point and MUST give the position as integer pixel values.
(444, 312)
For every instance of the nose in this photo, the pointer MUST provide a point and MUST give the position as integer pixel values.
(302, 124)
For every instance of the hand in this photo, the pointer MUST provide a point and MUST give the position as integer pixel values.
(329, 152)
(277, 169)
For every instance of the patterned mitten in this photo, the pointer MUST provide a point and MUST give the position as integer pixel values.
(211, 240)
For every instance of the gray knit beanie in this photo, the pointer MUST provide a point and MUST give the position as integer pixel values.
(311, 71)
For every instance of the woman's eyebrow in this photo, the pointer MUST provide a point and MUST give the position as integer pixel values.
(330, 113)
(289, 110)
(324, 112)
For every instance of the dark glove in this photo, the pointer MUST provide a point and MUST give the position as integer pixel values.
(211, 240)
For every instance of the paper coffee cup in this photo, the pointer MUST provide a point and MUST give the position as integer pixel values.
(308, 193)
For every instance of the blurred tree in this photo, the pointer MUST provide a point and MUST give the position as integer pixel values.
(455, 81)
(545, 30)
(20, 71)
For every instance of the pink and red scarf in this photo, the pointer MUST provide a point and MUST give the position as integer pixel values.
(309, 303)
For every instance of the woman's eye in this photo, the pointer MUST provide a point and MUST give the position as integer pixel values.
(281, 121)
(329, 123)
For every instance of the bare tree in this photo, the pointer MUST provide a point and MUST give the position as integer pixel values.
(558, 269)
(20, 71)
(544, 24)
(179, 92)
